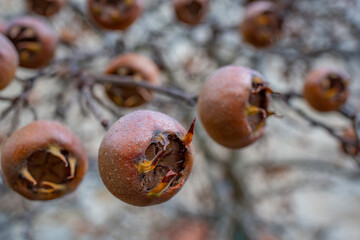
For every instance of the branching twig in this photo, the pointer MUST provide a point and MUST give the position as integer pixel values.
(129, 82)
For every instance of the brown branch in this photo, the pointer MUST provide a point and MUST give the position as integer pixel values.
(346, 111)
(93, 108)
(128, 82)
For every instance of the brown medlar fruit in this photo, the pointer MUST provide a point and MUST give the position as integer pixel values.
(3, 27)
(349, 135)
(46, 8)
(138, 68)
(262, 24)
(191, 11)
(34, 40)
(114, 14)
(9, 61)
(326, 89)
(250, 1)
(43, 160)
(233, 106)
(185, 228)
(146, 157)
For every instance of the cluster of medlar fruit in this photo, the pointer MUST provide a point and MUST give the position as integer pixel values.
(145, 157)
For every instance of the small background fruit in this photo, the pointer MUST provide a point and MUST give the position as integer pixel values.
(262, 24)
(9, 61)
(326, 89)
(46, 8)
(115, 14)
(34, 40)
(191, 12)
(138, 68)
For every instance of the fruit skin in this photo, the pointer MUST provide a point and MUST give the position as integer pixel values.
(123, 145)
(257, 34)
(3, 27)
(9, 61)
(41, 7)
(123, 22)
(315, 94)
(138, 64)
(349, 135)
(34, 137)
(250, 1)
(222, 105)
(45, 36)
(183, 13)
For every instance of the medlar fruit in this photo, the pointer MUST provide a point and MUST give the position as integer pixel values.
(3, 27)
(114, 14)
(43, 160)
(9, 61)
(233, 106)
(191, 11)
(34, 40)
(326, 89)
(350, 135)
(138, 68)
(262, 24)
(46, 8)
(146, 157)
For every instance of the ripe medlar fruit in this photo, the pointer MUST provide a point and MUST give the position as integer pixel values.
(262, 24)
(43, 160)
(46, 8)
(185, 228)
(233, 106)
(3, 27)
(350, 135)
(138, 68)
(191, 11)
(9, 61)
(34, 40)
(114, 14)
(146, 157)
(326, 89)
(250, 1)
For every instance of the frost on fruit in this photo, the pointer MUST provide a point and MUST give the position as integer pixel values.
(163, 163)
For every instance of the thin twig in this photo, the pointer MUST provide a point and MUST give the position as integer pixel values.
(93, 108)
(129, 82)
